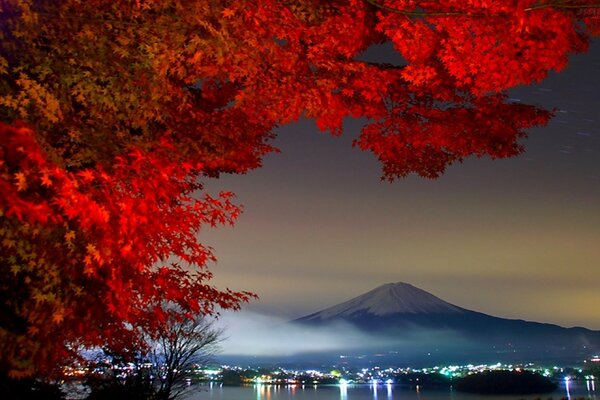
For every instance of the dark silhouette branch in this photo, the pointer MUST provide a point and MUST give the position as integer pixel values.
(557, 5)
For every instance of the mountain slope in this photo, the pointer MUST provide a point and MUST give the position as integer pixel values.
(402, 310)
(391, 298)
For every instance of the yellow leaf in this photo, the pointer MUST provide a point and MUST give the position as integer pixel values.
(3, 65)
(39, 297)
(21, 181)
(69, 236)
(9, 243)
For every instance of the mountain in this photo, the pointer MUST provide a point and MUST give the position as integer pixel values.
(388, 299)
(404, 312)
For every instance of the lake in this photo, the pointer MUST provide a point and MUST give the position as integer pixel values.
(571, 391)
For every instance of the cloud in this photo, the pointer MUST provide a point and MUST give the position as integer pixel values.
(252, 334)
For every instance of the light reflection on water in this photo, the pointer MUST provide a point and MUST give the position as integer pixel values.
(343, 391)
(572, 390)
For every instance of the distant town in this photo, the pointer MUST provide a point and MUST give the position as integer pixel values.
(434, 376)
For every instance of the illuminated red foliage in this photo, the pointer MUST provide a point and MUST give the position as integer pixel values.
(89, 256)
(113, 111)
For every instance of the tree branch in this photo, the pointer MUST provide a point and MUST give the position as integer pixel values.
(563, 5)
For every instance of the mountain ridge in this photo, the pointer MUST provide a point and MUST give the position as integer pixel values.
(402, 310)
(391, 298)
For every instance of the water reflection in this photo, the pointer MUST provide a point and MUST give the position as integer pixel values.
(374, 389)
(568, 390)
(292, 389)
(263, 392)
(343, 391)
(591, 388)
(591, 385)
(452, 393)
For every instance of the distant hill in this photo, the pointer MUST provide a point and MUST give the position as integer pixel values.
(405, 312)
(504, 383)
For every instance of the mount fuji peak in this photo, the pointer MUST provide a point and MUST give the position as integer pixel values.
(388, 299)
(400, 309)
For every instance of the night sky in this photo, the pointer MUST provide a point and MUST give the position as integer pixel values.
(516, 238)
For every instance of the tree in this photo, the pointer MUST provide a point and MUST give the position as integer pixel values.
(89, 257)
(162, 373)
(182, 347)
(113, 111)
